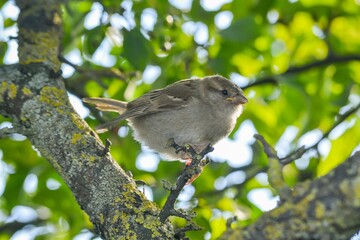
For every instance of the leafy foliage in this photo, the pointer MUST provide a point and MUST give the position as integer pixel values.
(298, 62)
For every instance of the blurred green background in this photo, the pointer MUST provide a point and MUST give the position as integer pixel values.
(297, 60)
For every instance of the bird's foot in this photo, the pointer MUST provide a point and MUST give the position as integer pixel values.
(193, 159)
(188, 161)
(190, 151)
(197, 170)
(171, 143)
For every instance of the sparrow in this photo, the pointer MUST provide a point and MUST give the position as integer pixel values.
(196, 111)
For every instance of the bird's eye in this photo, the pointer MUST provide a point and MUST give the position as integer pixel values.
(224, 92)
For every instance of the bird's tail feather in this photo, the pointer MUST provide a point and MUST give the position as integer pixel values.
(106, 104)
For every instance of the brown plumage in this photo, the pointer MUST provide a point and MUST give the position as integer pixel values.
(197, 111)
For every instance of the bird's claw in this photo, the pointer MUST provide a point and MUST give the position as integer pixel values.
(171, 143)
(187, 148)
(194, 160)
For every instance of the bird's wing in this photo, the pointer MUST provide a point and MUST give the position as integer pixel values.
(173, 97)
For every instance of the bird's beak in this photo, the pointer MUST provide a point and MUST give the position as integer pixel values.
(239, 99)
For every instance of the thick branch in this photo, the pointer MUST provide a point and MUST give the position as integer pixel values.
(104, 191)
(327, 208)
(40, 32)
(33, 95)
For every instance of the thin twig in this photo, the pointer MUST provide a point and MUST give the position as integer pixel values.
(98, 74)
(6, 132)
(293, 156)
(229, 221)
(299, 152)
(66, 61)
(180, 232)
(331, 59)
(107, 147)
(269, 150)
(190, 171)
(275, 176)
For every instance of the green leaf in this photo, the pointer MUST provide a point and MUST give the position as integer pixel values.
(341, 148)
(137, 49)
(8, 22)
(93, 89)
(3, 49)
(93, 39)
(243, 30)
(310, 3)
(218, 227)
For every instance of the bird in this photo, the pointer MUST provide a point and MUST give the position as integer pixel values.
(196, 111)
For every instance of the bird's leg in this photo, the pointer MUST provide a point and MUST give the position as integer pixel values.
(187, 148)
(199, 164)
(206, 150)
(188, 161)
(198, 170)
(191, 172)
(194, 158)
(171, 143)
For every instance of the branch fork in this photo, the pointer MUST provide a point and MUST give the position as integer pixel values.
(191, 170)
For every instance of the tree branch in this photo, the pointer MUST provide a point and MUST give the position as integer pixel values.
(102, 189)
(331, 199)
(96, 73)
(13, 227)
(330, 59)
(327, 208)
(33, 95)
(190, 171)
(5, 132)
(299, 152)
(274, 171)
(76, 84)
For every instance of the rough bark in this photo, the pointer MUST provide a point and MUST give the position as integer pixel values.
(328, 208)
(33, 95)
(38, 105)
